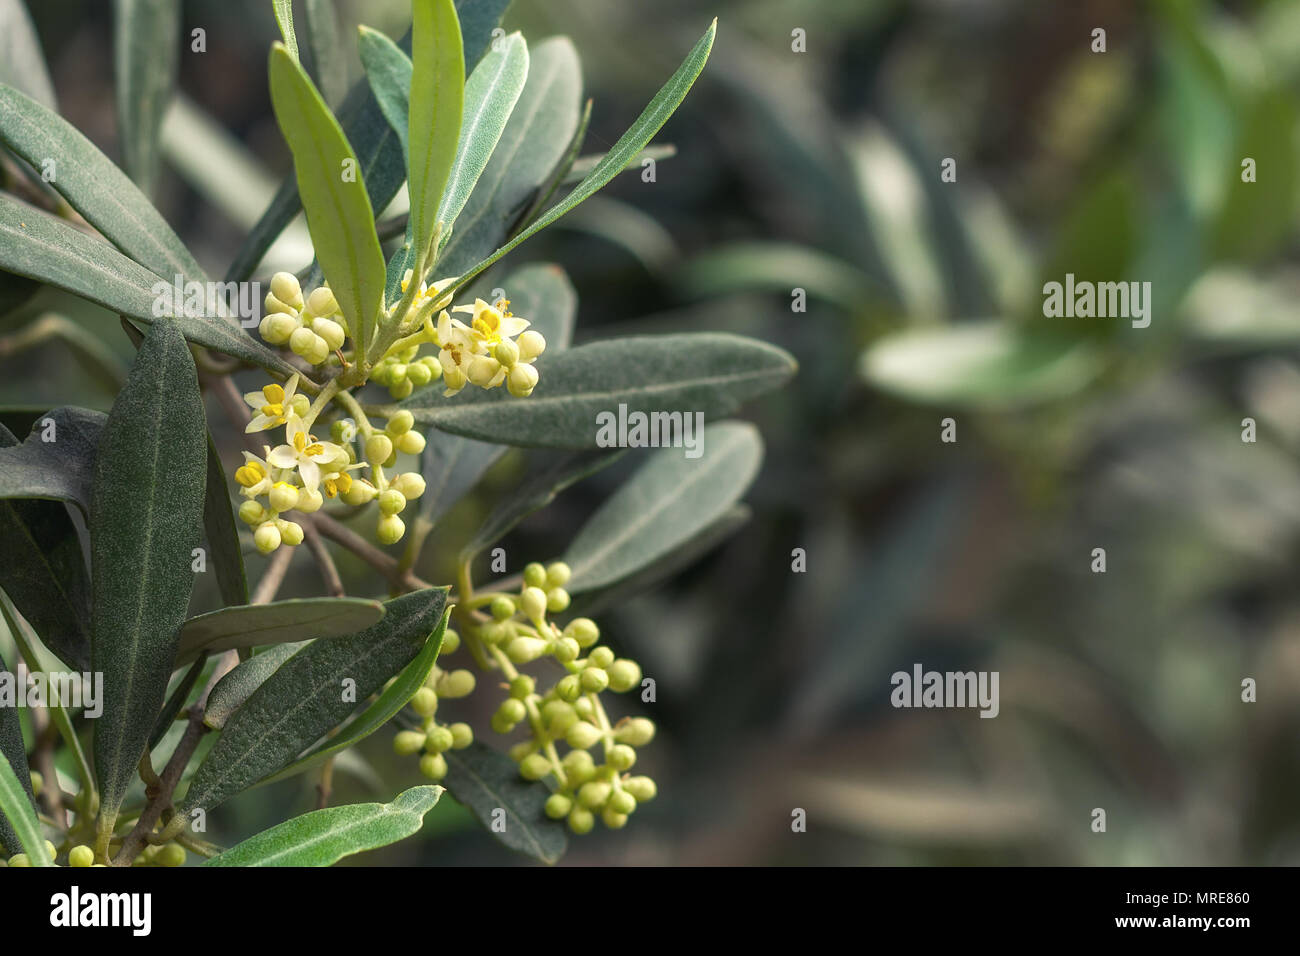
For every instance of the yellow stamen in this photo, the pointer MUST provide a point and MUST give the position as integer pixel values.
(274, 393)
(274, 410)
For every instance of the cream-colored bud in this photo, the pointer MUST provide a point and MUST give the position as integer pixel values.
(483, 369)
(533, 602)
(410, 484)
(410, 443)
(310, 501)
(286, 288)
(379, 447)
(522, 380)
(390, 529)
(291, 533)
(303, 341)
(330, 331)
(361, 492)
(267, 538)
(531, 344)
(322, 302)
(506, 352)
(283, 496)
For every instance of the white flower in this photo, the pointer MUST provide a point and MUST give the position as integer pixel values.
(304, 453)
(273, 405)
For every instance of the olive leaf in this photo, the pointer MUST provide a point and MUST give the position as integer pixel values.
(281, 622)
(326, 50)
(44, 572)
(146, 517)
(650, 121)
(22, 64)
(665, 504)
(310, 694)
(245, 677)
(323, 837)
(57, 460)
(222, 534)
(94, 186)
(14, 751)
(145, 50)
(388, 71)
(18, 815)
(488, 783)
(542, 125)
(436, 108)
(40, 246)
(283, 10)
(339, 213)
(712, 373)
(386, 706)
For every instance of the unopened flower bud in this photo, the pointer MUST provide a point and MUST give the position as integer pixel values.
(425, 702)
(378, 448)
(638, 731)
(558, 806)
(303, 341)
(594, 679)
(593, 794)
(502, 607)
(482, 370)
(291, 533)
(624, 674)
(361, 492)
(392, 501)
(506, 352)
(522, 686)
(613, 819)
(579, 766)
(522, 380)
(643, 788)
(583, 630)
(569, 688)
(533, 603)
(440, 739)
(408, 742)
(81, 856)
(462, 735)
(456, 684)
(620, 801)
(286, 288)
(419, 374)
(283, 496)
(330, 331)
(310, 501)
(523, 650)
(252, 512)
(581, 820)
(277, 327)
(322, 302)
(450, 642)
(173, 854)
(531, 344)
(267, 538)
(565, 650)
(319, 351)
(511, 711)
(534, 767)
(390, 529)
(433, 766)
(557, 599)
(534, 575)
(582, 735)
(621, 757)
(600, 657)
(410, 443)
(400, 423)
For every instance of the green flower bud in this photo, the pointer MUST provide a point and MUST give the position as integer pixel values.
(600, 657)
(330, 331)
(502, 607)
(410, 443)
(419, 374)
(512, 710)
(534, 767)
(172, 854)
(462, 735)
(624, 674)
(613, 819)
(392, 502)
(558, 574)
(425, 702)
(291, 532)
(565, 650)
(506, 353)
(408, 742)
(558, 806)
(361, 492)
(594, 679)
(522, 380)
(81, 856)
(620, 801)
(433, 365)
(583, 630)
(533, 603)
(450, 642)
(251, 512)
(286, 288)
(277, 327)
(581, 820)
(569, 688)
(531, 344)
(301, 405)
(310, 502)
(637, 731)
(620, 757)
(493, 632)
(521, 750)
(390, 529)
(581, 735)
(456, 684)
(557, 599)
(322, 302)
(643, 788)
(433, 766)
(409, 484)
(593, 794)
(267, 537)
(400, 423)
(378, 448)
(585, 708)
(534, 575)
(401, 389)
(522, 686)
(552, 710)
(440, 739)
(397, 373)
(283, 496)
(303, 341)
(579, 766)
(319, 352)
(523, 650)
(19, 859)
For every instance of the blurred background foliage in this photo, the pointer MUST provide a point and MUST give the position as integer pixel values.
(820, 171)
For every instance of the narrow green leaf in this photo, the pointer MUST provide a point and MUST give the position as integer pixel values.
(146, 45)
(323, 837)
(44, 572)
(222, 534)
(146, 517)
(309, 695)
(712, 373)
(485, 782)
(537, 492)
(57, 460)
(339, 214)
(650, 121)
(583, 165)
(42, 247)
(665, 504)
(94, 186)
(326, 50)
(382, 160)
(543, 123)
(245, 677)
(778, 267)
(175, 701)
(17, 811)
(437, 103)
(22, 64)
(491, 93)
(14, 752)
(282, 622)
(284, 20)
(387, 706)
(388, 70)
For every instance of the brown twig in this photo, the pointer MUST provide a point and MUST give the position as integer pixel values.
(325, 787)
(328, 572)
(273, 576)
(388, 566)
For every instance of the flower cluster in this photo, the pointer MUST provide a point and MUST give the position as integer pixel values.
(313, 329)
(517, 631)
